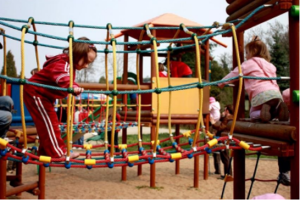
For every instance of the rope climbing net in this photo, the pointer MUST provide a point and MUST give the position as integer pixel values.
(142, 156)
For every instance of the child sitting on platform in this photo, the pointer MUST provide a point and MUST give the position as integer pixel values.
(264, 95)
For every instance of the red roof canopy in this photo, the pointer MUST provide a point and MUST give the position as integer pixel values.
(166, 20)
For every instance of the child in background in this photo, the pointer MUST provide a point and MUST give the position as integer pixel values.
(39, 101)
(179, 69)
(286, 97)
(264, 95)
(214, 110)
(162, 72)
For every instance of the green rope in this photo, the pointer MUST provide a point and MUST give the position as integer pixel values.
(165, 89)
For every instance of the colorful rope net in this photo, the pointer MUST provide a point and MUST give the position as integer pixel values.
(156, 153)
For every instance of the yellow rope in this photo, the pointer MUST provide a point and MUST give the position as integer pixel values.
(139, 95)
(4, 63)
(70, 96)
(200, 115)
(36, 49)
(112, 149)
(240, 80)
(107, 97)
(23, 77)
(157, 86)
(170, 92)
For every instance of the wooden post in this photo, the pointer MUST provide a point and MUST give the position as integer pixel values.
(140, 166)
(177, 162)
(2, 178)
(152, 166)
(124, 141)
(18, 179)
(239, 155)
(206, 156)
(196, 169)
(240, 39)
(239, 174)
(153, 127)
(42, 182)
(294, 107)
(124, 98)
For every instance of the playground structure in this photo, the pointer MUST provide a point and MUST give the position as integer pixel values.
(157, 115)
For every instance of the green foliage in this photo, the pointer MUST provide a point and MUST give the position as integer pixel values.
(280, 58)
(102, 79)
(11, 69)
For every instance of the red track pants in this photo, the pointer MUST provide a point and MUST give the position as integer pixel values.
(46, 122)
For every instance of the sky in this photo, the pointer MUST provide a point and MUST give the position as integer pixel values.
(100, 12)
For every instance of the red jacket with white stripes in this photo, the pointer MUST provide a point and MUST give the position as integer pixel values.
(55, 72)
(179, 69)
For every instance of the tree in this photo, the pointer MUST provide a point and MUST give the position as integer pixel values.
(11, 69)
(119, 63)
(102, 79)
(277, 40)
(86, 75)
(226, 60)
(280, 59)
(279, 51)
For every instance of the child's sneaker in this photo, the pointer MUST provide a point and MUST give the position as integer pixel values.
(283, 114)
(265, 115)
(73, 155)
(284, 178)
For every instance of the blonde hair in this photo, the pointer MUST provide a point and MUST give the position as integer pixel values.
(257, 48)
(80, 50)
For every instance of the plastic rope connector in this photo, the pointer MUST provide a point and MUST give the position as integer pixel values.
(73, 24)
(89, 162)
(45, 159)
(22, 81)
(25, 27)
(157, 90)
(133, 158)
(108, 26)
(176, 156)
(212, 142)
(113, 40)
(187, 134)
(244, 145)
(3, 142)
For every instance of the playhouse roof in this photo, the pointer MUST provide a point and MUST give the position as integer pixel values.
(166, 20)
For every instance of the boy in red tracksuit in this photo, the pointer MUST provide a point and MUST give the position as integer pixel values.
(40, 101)
(180, 69)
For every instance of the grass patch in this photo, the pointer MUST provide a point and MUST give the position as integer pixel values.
(144, 186)
(146, 138)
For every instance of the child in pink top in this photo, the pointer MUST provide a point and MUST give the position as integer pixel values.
(214, 109)
(264, 95)
(162, 72)
(286, 96)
